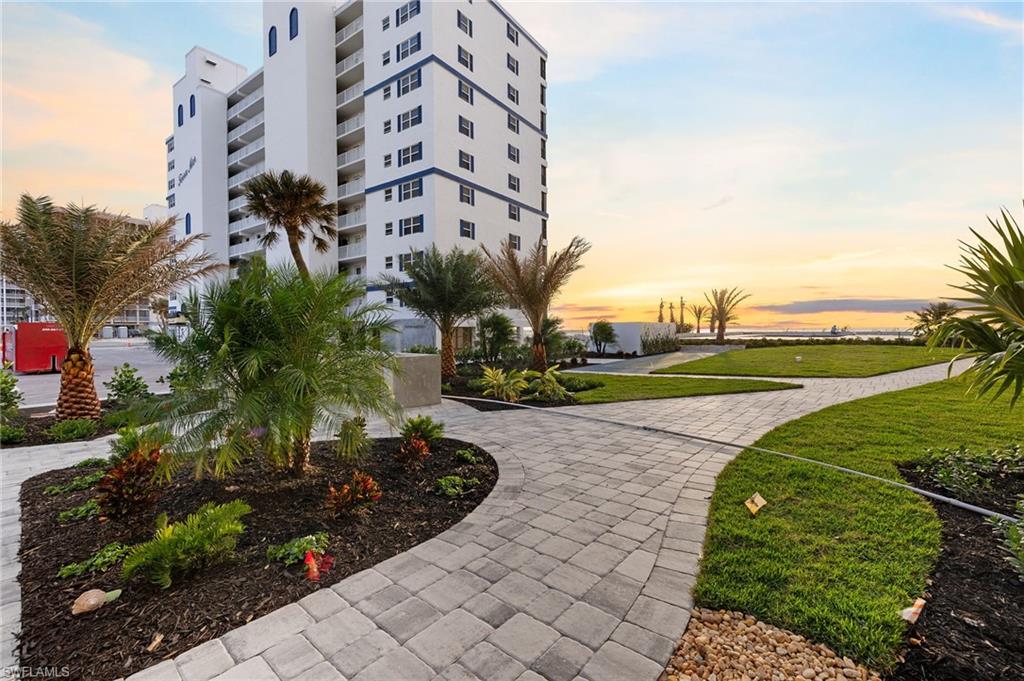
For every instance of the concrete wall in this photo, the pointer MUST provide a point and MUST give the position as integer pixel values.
(630, 333)
(418, 380)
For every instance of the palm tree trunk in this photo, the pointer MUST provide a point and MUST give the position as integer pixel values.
(720, 338)
(300, 457)
(77, 398)
(540, 357)
(448, 368)
(293, 246)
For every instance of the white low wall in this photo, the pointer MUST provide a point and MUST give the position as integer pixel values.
(630, 333)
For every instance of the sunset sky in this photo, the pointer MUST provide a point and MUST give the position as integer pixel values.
(824, 157)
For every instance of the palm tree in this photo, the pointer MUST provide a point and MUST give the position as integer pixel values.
(554, 337)
(295, 205)
(495, 332)
(270, 357)
(698, 312)
(447, 289)
(161, 308)
(723, 303)
(993, 331)
(85, 266)
(531, 283)
(682, 314)
(930, 317)
(661, 311)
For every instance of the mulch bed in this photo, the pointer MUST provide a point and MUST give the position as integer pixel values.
(36, 429)
(455, 391)
(111, 642)
(973, 624)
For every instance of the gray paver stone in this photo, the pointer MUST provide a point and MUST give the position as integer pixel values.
(444, 641)
(204, 661)
(292, 656)
(524, 638)
(260, 634)
(490, 663)
(563, 660)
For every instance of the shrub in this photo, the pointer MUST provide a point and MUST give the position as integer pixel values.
(72, 429)
(412, 452)
(129, 486)
(602, 333)
(1013, 538)
(422, 349)
(966, 472)
(11, 435)
(657, 343)
(126, 386)
(359, 492)
(424, 428)
(467, 456)
(576, 384)
(294, 551)
(452, 486)
(353, 443)
(79, 482)
(93, 462)
(105, 558)
(10, 396)
(502, 385)
(119, 418)
(135, 439)
(547, 388)
(80, 512)
(205, 537)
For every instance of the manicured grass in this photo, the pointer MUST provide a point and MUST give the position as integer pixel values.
(619, 388)
(833, 556)
(840, 361)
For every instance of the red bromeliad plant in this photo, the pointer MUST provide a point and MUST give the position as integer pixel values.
(129, 486)
(359, 492)
(316, 563)
(413, 452)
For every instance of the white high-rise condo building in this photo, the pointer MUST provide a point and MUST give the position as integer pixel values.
(426, 121)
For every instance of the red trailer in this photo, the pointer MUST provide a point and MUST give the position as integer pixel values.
(35, 347)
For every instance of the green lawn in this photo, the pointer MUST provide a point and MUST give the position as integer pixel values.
(840, 361)
(833, 556)
(620, 388)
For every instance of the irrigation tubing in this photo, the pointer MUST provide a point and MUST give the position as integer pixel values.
(735, 445)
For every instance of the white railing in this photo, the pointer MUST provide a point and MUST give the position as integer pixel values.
(346, 32)
(350, 124)
(250, 246)
(246, 174)
(356, 250)
(350, 219)
(245, 127)
(237, 203)
(250, 148)
(353, 154)
(245, 102)
(348, 62)
(350, 93)
(242, 224)
(348, 188)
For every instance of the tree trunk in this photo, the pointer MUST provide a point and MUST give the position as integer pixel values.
(720, 338)
(300, 457)
(540, 357)
(448, 368)
(77, 398)
(293, 246)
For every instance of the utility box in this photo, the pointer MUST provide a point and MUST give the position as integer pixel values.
(35, 347)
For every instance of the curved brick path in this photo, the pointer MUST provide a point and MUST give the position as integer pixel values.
(579, 565)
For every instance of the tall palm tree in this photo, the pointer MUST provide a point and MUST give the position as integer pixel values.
(294, 204)
(723, 303)
(698, 312)
(447, 289)
(85, 266)
(161, 308)
(531, 283)
(993, 331)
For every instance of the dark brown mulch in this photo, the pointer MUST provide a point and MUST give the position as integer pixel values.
(973, 624)
(111, 642)
(36, 430)
(455, 391)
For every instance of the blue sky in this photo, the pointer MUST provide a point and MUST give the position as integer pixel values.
(815, 151)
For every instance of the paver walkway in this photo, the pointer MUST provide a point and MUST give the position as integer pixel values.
(578, 566)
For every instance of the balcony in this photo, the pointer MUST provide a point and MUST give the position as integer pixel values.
(242, 224)
(245, 248)
(348, 31)
(351, 124)
(349, 251)
(245, 175)
(249, 125)
(350, 93)
(351, 156)
(348, 62)
(352, 218)
(245, 103)
(246, 151)
(347, 189)
(237, 204)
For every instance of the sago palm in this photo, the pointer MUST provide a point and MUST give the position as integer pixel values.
(532, 282)
(295, 205)
(448, 289)
(993, 330)
(723, 304)
(270, 357)
(698, 312)
(85, 266)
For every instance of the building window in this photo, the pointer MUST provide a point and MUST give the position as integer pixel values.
(411, 189)
(465, 24)
(385, 58)
(465, 91)
(188, 223)
(409, 82)
(405, 258)
(513, 94)
(170, 201)
(170, 183)
(387, 92)
(293, 24)
(388, 193)
(466, 161)
(513, 212)
(410, 118)
(467, 195)
(543, 148)
(514, 241)
(543, 121)
(544, 175)
(513, 182)
(387, 126)
(543, 94)
(466, 127)
(272, 41)
(544, 202)
(170, 165)
(387, 160)
(385, 23)
(543, 67)
(512, 63)
(410, 154)
(389, 262)
(512, 34)
(513, 124)
(407, 47)
(513, 154)
(413, 225)
(465, 58)
(181, 115)
(191, 106)
(467, 229)
(388, 229)
(406, 12)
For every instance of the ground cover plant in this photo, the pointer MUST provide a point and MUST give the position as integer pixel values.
(836, 557)
(839, 361)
